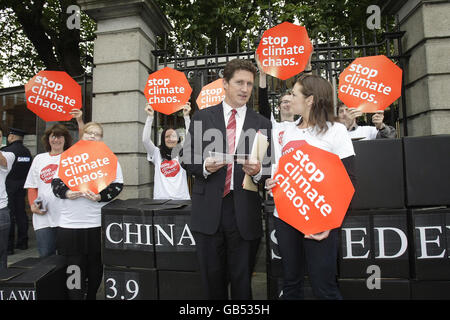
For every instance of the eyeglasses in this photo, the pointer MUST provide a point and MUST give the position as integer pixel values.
(95, 134)
(56, 137)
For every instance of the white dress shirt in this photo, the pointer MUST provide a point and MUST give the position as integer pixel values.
(240, 118)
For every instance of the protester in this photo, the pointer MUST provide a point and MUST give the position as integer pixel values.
(46, 211)
(6, 163)
(313, 101)
(347, 116)
(284, 107)
(16, 192)
(170, 180)
(79, 234)
(225, 218)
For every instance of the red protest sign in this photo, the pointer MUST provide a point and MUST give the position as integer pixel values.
(313, 191)
(51, 95)
(284, 50)
(370, 83)
(167, 90)
(211, 94)
(88, 165)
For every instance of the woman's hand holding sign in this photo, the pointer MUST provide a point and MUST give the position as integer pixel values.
(149, 110)
(318, 236)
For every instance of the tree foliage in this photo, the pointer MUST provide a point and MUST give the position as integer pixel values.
(34, 35)
(200, 24)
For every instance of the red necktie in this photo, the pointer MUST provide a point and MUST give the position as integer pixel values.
(231, 136)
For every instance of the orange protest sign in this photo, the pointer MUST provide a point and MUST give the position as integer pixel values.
(51, 95)
(284, 50)
(211, 94)
(313, 191)
(370, 83)
(88, 165)
(167, 90)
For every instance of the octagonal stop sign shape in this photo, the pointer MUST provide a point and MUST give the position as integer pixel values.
(211, 94)
(51, 95)
(167, 90)
(88, 165)
(370, 83)
(284, 50)
(313, 191)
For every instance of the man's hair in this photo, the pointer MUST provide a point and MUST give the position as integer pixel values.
(57, 130)
(339, 104)
(287, 92)
(238, 64)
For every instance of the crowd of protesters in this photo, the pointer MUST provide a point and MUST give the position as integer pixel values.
(225, 217)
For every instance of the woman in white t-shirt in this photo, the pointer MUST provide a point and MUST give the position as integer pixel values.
(313, 101)
(46, 209)
(170, 179)
(79, 234)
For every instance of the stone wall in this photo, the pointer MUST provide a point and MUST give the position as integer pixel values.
(126, 35)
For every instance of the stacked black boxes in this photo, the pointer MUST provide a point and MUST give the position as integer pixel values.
(34, 279)
(395, 238)
(427, 174)
(374, 252)
(148, 250)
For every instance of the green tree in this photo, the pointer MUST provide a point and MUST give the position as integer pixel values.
(34, 35)
(199, 24)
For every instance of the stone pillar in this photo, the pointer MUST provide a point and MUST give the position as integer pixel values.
(126, 35)
(427, 43)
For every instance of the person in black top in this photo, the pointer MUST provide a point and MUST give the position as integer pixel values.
(14, 187)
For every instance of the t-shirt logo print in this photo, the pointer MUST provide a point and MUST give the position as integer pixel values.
(48, 172)
(280, 138)
(170, 168)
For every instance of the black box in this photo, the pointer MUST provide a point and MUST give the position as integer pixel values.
(123, 283)
(379, 174)
(173, 241)
(35, 279)
(374, 237)
(180, 285)
(127, 232)
(427, 170)
(358, 289)
(431, 238)
(434, 290)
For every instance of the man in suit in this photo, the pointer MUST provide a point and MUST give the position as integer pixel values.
(225, 218)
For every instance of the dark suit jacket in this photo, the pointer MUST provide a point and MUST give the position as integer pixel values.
(207, 132)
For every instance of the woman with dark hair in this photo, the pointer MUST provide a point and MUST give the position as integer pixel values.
(312, 99)
(170, 179)
(43, 203)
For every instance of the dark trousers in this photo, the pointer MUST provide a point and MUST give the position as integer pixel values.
(82, 248)
(16, 205)
(299, 255)
(225, 257)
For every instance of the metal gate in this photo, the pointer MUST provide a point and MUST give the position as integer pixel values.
(329, 59)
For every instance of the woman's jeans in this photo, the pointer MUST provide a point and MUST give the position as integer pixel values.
(4, 235)
(46, 241)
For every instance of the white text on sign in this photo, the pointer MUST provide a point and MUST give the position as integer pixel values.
(303, 183)
(159, 88)
(76, 167)
(274, 50)
(362, 77)
(47, 92)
